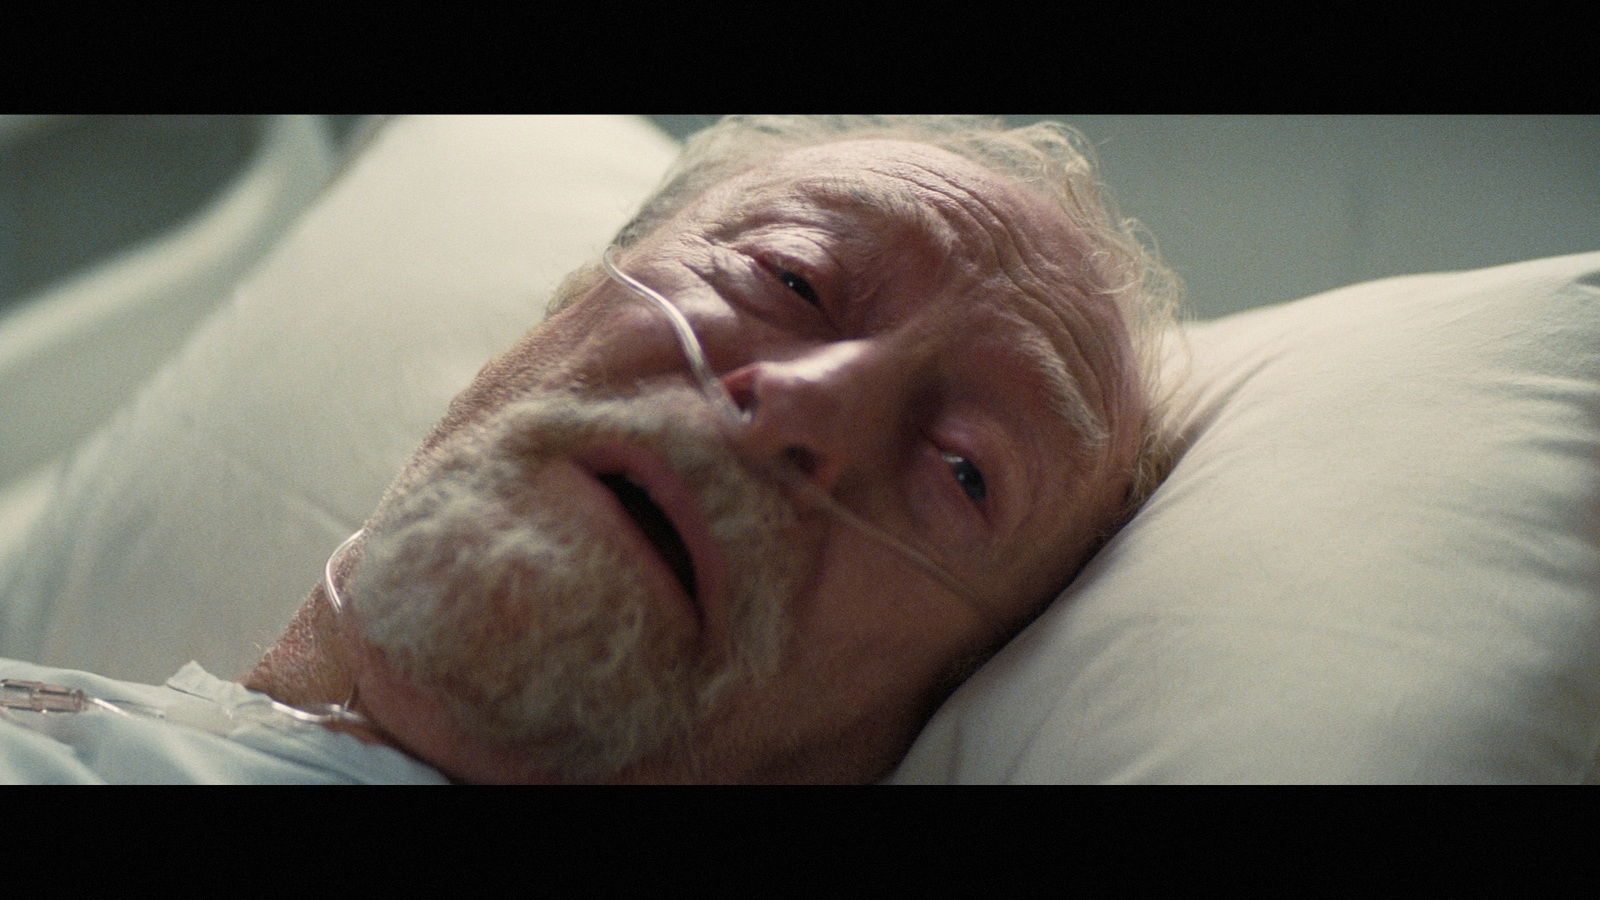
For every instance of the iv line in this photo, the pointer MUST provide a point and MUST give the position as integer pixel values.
(36, 696)
(39, 697)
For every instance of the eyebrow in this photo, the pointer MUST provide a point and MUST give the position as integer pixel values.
(893, 202)
(1064, 393)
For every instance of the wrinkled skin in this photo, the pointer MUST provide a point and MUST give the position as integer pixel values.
(878, 307)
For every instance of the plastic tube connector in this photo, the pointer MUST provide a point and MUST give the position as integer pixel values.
(37, 696)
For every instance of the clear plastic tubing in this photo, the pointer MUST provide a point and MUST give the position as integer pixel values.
(722, 401)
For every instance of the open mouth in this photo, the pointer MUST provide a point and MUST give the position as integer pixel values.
(655, 524)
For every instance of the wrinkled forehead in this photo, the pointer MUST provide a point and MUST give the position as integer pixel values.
(908, 184)
(906, 204)
(912, 205)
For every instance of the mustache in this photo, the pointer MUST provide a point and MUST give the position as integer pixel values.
(675, 424)
(488, 582)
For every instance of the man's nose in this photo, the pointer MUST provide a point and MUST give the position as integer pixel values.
(826, 412)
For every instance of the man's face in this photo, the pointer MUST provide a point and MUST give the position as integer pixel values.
(904, 331)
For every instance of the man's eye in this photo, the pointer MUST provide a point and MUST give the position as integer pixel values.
(800, 286)
(967, 475)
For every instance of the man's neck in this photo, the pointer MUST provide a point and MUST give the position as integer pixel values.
(303, 667)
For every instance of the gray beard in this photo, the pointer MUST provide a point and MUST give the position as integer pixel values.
(545, 637)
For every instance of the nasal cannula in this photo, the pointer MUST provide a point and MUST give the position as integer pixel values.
(721, 400)
(40, 697)
(724, 403)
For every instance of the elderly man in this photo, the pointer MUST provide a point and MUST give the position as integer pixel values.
(927, 396)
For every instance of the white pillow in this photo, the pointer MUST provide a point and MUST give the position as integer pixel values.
(1377, 561)
(195, 524)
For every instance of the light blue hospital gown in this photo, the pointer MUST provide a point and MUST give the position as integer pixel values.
(97, 746)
